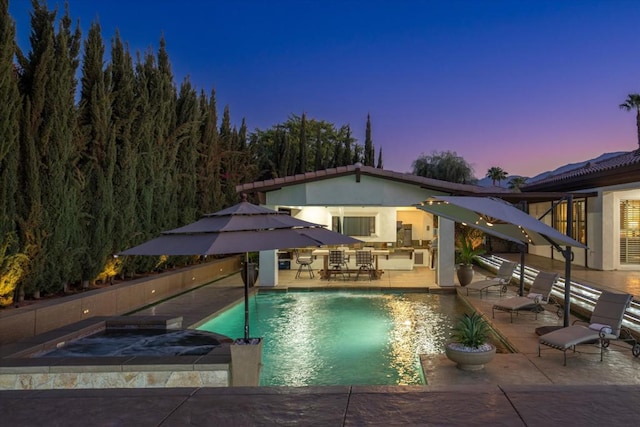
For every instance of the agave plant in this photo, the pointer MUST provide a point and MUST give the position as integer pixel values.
(471, 330)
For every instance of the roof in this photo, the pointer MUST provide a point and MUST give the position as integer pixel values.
(262, 187)
(622, 169)
(429, 183)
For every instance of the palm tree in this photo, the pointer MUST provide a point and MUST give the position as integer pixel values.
(496, 174)
(516, 182)
(633, 103)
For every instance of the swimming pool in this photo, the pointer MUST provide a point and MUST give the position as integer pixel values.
(343, 337)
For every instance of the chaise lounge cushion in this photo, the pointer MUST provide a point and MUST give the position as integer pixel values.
(568, 337)
(516, 303)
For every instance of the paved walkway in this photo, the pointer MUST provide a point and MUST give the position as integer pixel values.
(514, 389)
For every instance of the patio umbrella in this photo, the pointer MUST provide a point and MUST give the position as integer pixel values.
(241, 228)
(503, 220)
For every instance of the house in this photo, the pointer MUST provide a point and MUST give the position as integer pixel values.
(606, 211)
(378, 207)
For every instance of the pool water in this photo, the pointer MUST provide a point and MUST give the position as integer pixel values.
(343, 337)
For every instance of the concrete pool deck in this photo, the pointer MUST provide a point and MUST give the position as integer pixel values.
(514, 389)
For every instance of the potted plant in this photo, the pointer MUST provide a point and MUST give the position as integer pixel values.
(469, 348)
(466, 253)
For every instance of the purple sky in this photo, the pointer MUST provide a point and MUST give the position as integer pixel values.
(524, 85)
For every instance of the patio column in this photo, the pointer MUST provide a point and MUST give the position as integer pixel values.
(446, 253)
(268, 275)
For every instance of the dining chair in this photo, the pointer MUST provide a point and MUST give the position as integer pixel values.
(337, 263)
(364, 262)
(304, 262)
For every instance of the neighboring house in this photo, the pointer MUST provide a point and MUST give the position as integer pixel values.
(606, 206)
(376, 206)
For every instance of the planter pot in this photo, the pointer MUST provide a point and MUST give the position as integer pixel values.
(465, 274)
(246, 361)
(470, 359)
(252, 269)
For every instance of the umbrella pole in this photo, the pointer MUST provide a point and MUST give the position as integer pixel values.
(567, 262)
(521, 292)
(246, 295)
(567, 285)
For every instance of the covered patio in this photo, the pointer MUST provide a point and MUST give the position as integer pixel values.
(377, 207)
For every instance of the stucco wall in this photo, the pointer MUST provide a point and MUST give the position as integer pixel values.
(345, 191)
(25, 322)
(595, 234)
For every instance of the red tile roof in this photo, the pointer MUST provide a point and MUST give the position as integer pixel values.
(621, 169)
(429, 183)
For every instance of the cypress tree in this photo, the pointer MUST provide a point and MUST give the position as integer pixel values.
(318, 149)
(347, 155)
(248, 169)
(124, 116)
(163, 97)
(357, 154)
(62, 198)
(337, 148)
(283, 147)
(230, 156)
(210, 195)
(143, 137)
(12, 262)
(98, 158)
(302, 153)
(34, 79)
(188, 134)
(49, 153)
(9, 125)
(369, 153)
(380, 165)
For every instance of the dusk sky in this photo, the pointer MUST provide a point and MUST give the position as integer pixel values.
(524, 85)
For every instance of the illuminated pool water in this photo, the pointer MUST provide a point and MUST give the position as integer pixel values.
(343, 337)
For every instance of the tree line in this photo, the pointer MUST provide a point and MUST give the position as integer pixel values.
(92, 165)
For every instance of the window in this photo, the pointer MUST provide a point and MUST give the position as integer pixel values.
(362, 226)
(630, 231)
(579, 224)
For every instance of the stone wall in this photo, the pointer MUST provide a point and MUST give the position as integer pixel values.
(109, 376)
(123, 298)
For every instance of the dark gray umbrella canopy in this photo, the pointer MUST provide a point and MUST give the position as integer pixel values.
(499, 218)
(233, 242)
(503, 220)
(241, 228)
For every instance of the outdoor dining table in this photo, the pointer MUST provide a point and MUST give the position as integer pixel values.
(324, 253)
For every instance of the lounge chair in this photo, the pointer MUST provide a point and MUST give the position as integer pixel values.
(605, 325)
(502, 279)
(539, 294)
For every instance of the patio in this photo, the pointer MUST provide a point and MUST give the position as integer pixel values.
(514, 389)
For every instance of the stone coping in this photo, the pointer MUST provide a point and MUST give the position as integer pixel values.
(20, 368)
(361, 288)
